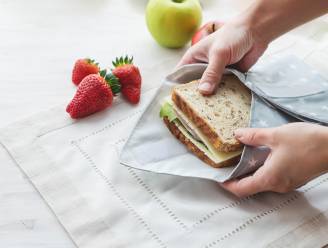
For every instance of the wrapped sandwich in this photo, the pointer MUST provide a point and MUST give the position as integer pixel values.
(206, 124)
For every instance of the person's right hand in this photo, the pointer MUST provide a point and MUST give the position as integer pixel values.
(232, 44)
(298, 155)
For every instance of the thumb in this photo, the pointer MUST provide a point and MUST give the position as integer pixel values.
(212, 75)
(254, 136)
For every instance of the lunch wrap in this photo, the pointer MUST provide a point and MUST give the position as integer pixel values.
(284, 90)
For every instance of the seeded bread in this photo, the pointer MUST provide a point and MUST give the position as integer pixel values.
(195, 150)
(218, 115)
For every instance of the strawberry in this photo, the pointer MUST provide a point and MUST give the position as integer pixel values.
(95, 93)
(83, 68)
(129, 77)
(132, 94)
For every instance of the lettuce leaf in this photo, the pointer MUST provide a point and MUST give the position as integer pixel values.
(167, 111)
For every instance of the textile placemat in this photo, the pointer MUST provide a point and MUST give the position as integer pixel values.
(74, 165)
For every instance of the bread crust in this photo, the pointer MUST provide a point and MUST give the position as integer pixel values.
(194, 149)
(204, 127)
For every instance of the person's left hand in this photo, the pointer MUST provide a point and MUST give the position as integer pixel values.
(299, 153)
(234, 43)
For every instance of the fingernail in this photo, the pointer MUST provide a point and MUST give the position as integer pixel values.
(239, 133)
(206, 87)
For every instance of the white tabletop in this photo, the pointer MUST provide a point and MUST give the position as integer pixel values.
(39, 42)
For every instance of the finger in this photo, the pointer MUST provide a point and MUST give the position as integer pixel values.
(195, 54)
(244, 187)
(212, 74)
(262, 180)
(250, 58)
(246, 63)
(187, 58)
(255, 136)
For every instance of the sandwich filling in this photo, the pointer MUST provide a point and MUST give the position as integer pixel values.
(182, 122)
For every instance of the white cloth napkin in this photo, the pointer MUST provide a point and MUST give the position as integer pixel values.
(74, 166)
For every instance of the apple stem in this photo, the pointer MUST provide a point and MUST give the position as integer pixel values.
(213, 27)
(178, 1)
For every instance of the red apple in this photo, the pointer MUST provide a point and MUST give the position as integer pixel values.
(206, 30)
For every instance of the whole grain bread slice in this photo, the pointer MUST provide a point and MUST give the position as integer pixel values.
(218, 115)
(195, 150)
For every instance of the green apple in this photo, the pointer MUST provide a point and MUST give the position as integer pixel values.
(172, 23)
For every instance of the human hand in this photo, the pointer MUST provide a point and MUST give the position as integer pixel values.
(232, 44)
(299, 153)
(243, 40)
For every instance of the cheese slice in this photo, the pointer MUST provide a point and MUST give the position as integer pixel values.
(205, 145)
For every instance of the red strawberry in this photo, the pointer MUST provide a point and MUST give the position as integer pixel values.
(129, 76)
(83, 68)
(132, 94)
(94, 94)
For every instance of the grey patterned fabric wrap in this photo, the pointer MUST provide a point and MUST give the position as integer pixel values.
(283, 90)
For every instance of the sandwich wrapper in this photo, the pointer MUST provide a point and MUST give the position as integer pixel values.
(284, 90)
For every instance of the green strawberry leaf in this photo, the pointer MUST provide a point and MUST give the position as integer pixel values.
(113, 83)
(103, 73)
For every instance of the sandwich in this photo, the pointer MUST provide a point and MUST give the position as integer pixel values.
(206, 124)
